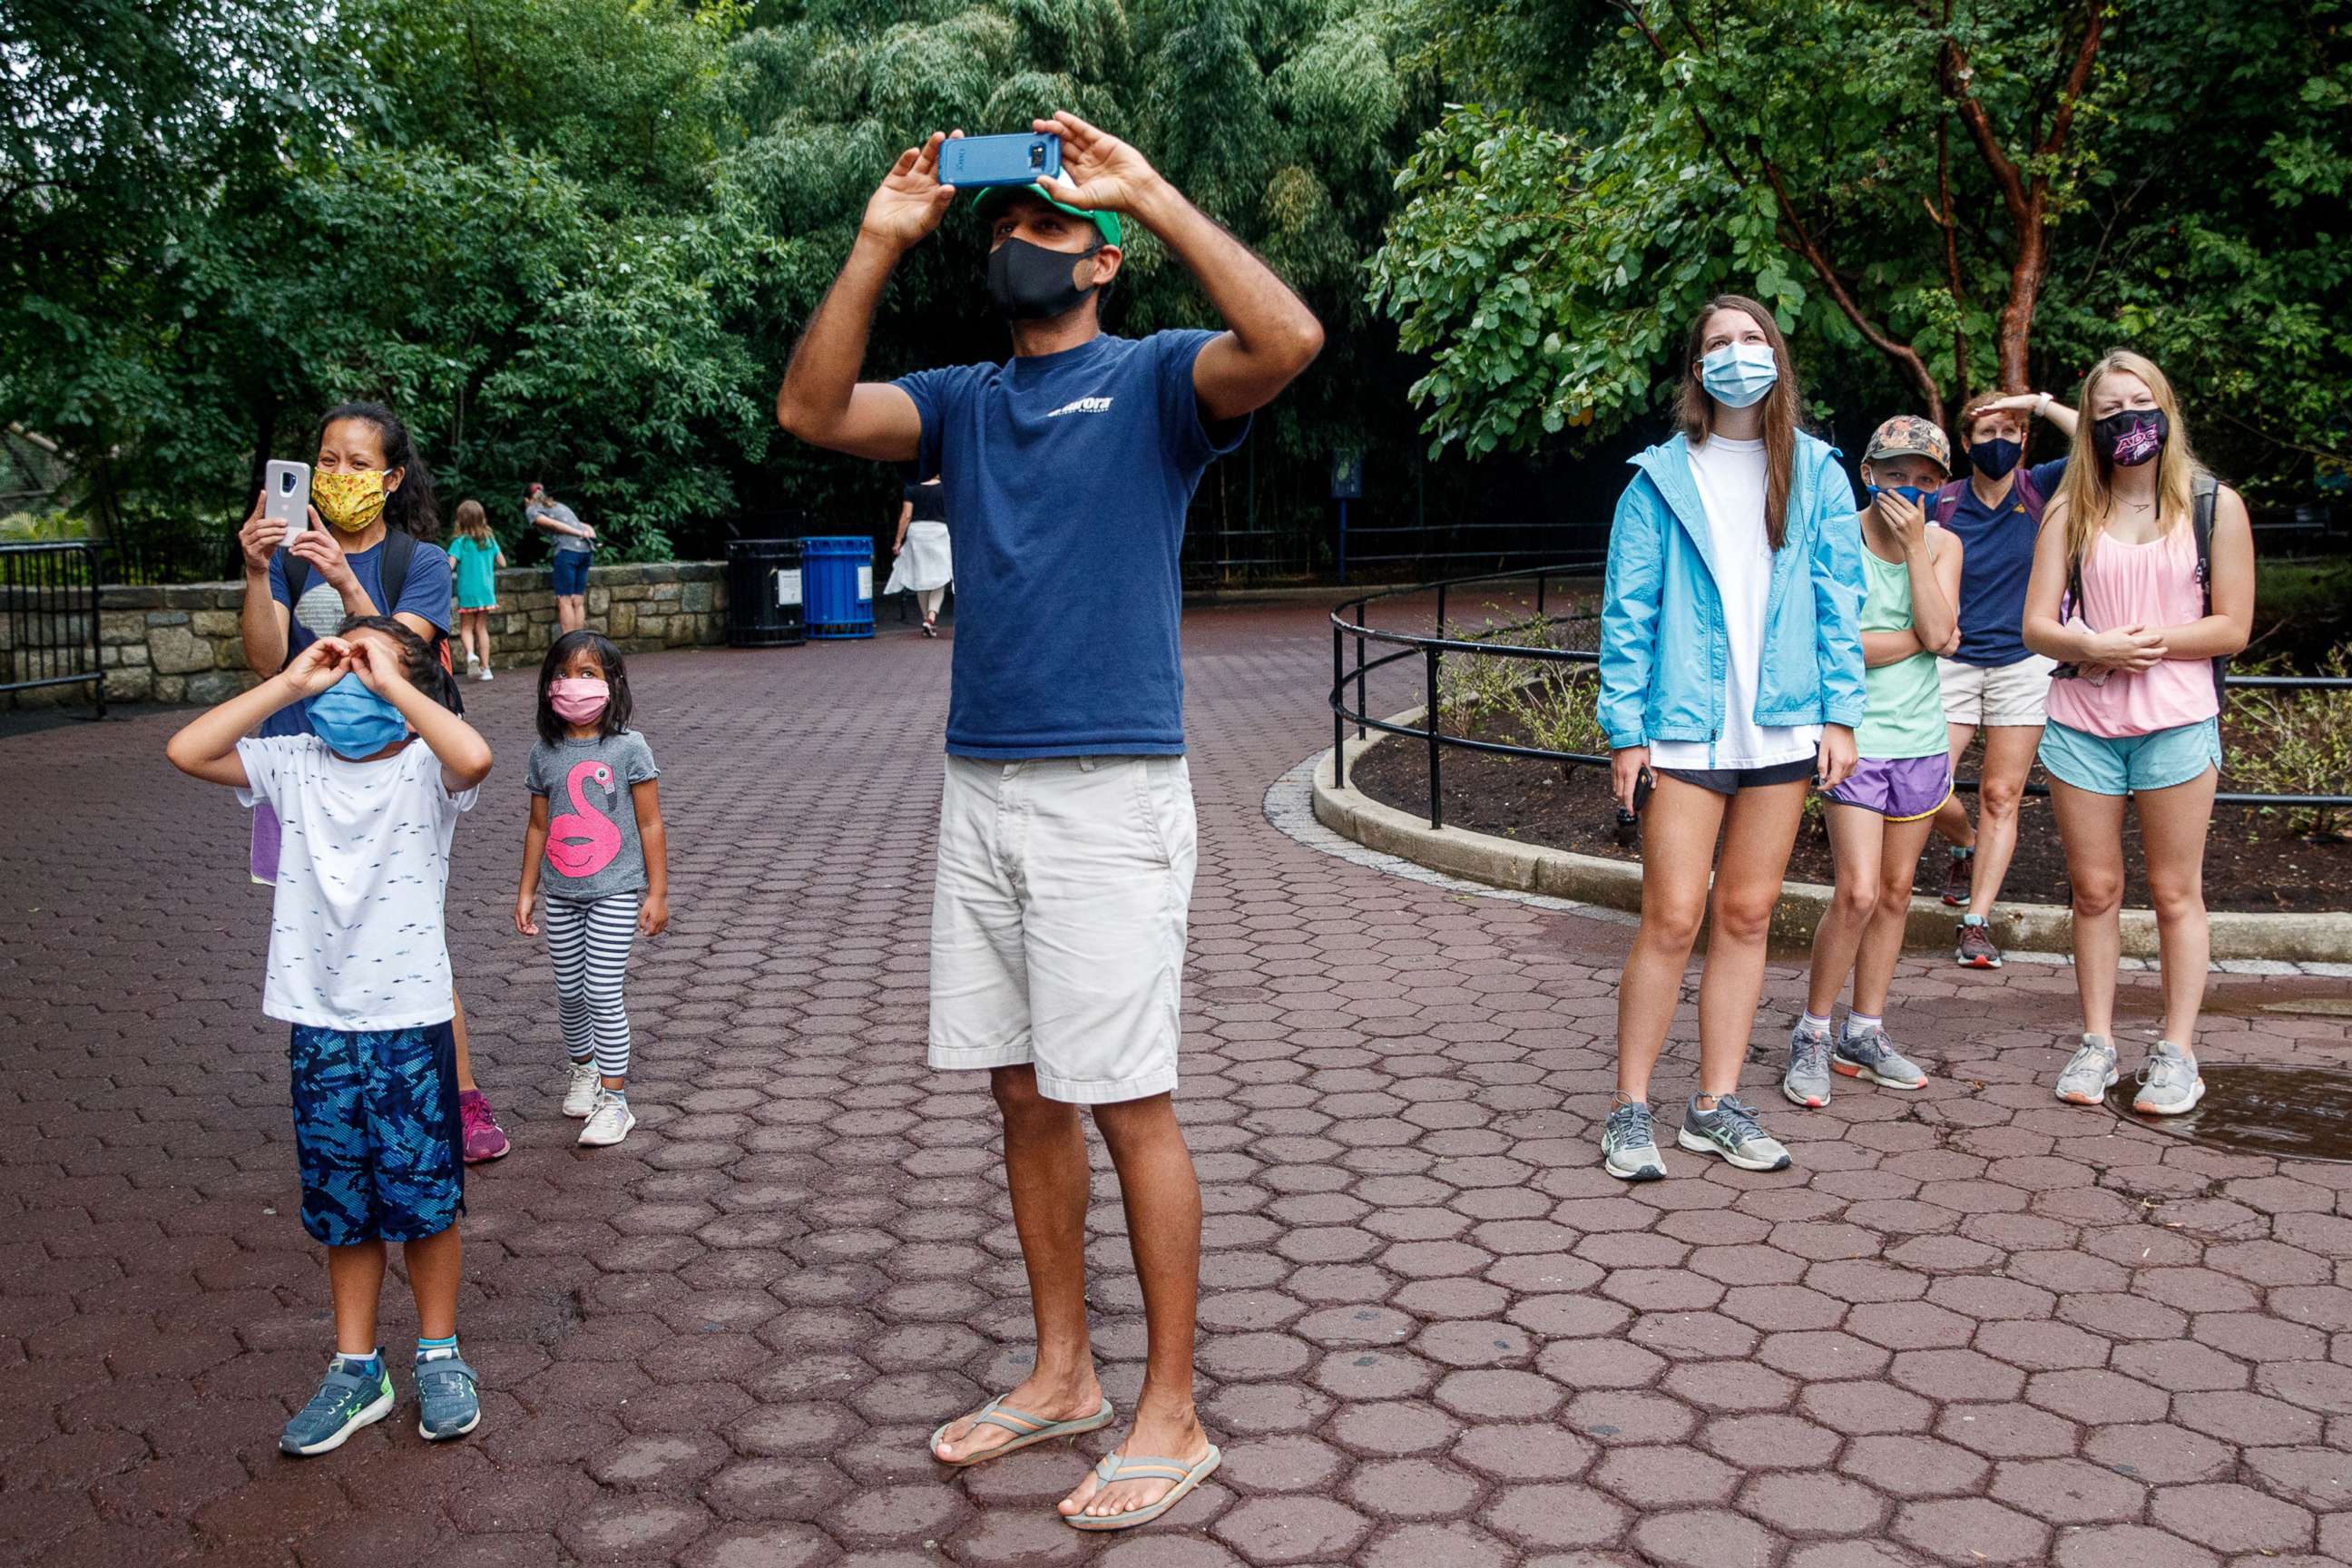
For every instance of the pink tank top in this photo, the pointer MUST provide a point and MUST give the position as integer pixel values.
(2151, 584)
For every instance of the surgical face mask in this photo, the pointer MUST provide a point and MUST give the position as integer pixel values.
(2131, 437)
(1912, 493)
(1995, 458)
(578, 699)
(351, 500)
(1737, 374)
(1030, 283)
(353, 721)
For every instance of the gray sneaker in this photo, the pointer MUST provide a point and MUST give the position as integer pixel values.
(1731, 1130)
(1629, 1148)
(1867, 1054)
(449, 1403)
(347, 1400)
(2090, 1074)
(2168, 1084)
(1807, 1081)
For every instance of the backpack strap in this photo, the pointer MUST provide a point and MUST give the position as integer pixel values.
(2205, 494)
(1944, 503)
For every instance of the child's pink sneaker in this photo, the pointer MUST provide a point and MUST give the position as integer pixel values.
(485, 1139)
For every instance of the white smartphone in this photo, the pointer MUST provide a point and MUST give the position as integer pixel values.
(286, 497)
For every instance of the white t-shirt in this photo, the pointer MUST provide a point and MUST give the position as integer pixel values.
(1730, 476)
(355, 936)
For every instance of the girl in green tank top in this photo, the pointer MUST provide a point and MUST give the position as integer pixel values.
(1880, 817)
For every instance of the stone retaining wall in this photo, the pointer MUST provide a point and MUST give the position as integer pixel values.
(181, 643)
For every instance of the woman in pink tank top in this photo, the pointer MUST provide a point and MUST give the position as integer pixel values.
(2134, 707)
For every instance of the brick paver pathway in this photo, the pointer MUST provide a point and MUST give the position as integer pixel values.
(1972, 1326)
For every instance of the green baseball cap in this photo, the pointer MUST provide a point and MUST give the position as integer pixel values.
(1107, 223)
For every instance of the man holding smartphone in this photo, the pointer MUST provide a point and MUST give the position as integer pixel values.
(1065, 846)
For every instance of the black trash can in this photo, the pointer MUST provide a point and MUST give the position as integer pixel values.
(763, 593)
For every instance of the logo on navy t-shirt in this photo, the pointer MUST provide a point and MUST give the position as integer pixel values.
(1082, 405)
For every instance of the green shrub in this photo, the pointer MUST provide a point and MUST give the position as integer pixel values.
(2293, 742)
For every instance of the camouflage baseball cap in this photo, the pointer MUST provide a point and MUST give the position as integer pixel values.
(1908, 436)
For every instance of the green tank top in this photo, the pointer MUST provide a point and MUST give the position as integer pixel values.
(1905, 713)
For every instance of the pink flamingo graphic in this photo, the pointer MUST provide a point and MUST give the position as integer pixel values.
(583, 841)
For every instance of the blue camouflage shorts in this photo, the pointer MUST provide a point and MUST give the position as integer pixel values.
(377, 1133)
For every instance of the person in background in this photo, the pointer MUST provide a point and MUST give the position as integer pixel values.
(474, 552)
(359, 972)
(923, 564)
(1066, 841)
(1878, 818)
(1731, 676)
(1994, 682)
(567, 566)
(367, 551)
(2144, 586)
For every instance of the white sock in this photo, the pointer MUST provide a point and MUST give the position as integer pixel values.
(1859, 1023)
(1814, 1022)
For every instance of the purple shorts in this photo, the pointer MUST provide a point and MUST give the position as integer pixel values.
(1903, 790)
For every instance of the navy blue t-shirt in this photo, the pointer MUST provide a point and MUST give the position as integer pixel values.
(1996, 559)
(425, 594)
(1067, 476)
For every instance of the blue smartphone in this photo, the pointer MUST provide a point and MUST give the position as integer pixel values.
(976, 163)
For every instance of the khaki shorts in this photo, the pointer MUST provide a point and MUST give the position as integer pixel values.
(2007, 694)
(1058, 925)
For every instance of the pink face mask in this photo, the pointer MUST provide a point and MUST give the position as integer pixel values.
(578, 699)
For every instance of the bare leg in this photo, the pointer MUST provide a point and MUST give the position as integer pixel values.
(1855, 838)
(1882, 939)
(1759, 832)
(2008, 758)
(465, 1052)
(354, 1280)
(2172, 825)
(433, 1269)
(1045, 1164)
(2091, 831)
(1162, 1199)
(1678, 830)
(1951, 817)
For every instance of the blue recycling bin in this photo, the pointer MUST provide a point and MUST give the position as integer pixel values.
(838, 581)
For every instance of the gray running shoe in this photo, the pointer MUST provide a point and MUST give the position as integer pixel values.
(1869, 1055)
(448, 1402)
(1629, 1148)
(1807, 1081)
(2168, 1084)
(347, 1400)
(1731, 1130)
(2090, 1074)
(1975, 949)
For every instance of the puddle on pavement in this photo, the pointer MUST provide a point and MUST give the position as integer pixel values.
(2287, 1112)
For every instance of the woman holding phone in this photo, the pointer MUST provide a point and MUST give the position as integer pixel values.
(1731, 679)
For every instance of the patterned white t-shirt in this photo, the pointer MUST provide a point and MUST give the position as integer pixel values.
(356, 938)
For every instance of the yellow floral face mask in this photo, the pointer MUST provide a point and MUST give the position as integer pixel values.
(351, 500)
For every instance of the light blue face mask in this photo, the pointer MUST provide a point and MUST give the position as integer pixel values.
(1737, 374)
(353, 721)
(1912, 493)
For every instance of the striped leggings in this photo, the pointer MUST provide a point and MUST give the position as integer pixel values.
(590, 943)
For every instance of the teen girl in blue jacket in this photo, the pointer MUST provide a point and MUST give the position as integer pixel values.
(1731, 678)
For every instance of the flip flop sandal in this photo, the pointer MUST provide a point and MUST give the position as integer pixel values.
(1118, 1468)
(1027, 1430)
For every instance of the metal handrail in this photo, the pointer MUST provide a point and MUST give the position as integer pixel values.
(1434, 647)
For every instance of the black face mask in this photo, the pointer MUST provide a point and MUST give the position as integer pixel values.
(2132, 437)
(1030, 283)
(1993, 458)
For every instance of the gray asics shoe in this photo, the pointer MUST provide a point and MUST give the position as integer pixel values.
(1731, 1130)
(2090, 1074)
(1629, 1149)
(448, 1399)
(2168, 1084)
(349, 1399)
(1807, 1081)
(1867, 1054)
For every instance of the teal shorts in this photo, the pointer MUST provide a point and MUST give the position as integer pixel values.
(2128, 764)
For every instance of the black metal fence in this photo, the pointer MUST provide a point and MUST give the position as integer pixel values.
(1350, 622)
(48, 619)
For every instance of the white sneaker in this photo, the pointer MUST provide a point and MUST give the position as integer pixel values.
(580, 1090)
(2168, 1084)
(485, 675)
(609, 1122)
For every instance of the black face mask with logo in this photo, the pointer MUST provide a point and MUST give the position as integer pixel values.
(1030, 283)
